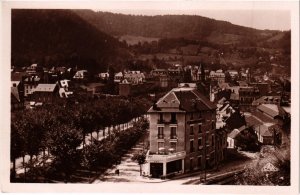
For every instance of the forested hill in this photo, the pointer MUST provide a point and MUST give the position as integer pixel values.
(170, 26)
(61, 37)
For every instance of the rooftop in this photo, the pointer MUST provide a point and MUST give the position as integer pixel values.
(45, 87)
(269, 109)
(183, 99)
(233, 133)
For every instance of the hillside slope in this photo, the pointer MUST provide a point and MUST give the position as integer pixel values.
(60, 37)
(172, 26)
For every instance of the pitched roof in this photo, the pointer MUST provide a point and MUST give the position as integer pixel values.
(269, 109)
(235, 121)
(263, 117)
(45, 87)
(264, 129)
(15, 94)
(186, 99)
(17, 76)
(16, 83)
(252, 120)
(233, 133)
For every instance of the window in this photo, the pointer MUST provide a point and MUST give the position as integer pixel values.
(191, 130)
(207, 139)
(173, 118)
(192, 116)
(199, 143)
(161, 117)
(191, 164)
(212, 140)
(199, 161)
(191, 146)
(160, 133)
(199, 129)
(173, 146)
(173, 133)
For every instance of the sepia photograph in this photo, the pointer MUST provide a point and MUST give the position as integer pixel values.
(147, 93)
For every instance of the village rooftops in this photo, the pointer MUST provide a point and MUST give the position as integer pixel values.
(45, 88)
(267, 99)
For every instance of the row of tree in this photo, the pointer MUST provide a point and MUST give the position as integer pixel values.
(62, 128)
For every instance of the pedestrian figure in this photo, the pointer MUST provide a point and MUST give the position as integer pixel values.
(117, 172)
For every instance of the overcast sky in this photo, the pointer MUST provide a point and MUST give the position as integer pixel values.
(260, 15)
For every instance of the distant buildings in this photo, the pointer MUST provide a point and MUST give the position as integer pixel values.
(81, 74)
(134, 77)
(183, 134)
(45, 93)
(30, 83)
(218, 76)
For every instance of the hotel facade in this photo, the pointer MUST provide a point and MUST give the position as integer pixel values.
(183, 134)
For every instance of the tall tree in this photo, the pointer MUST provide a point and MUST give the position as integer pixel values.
(65, 141)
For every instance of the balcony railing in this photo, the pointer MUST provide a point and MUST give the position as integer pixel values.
(193, 121)
(165, 157)
(173, 136)
(161, 121)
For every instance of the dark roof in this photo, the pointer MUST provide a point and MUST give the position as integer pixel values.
(193, 101)
(224, 93)
(235, 121)
(18, 76)
(264, 118)
(253, 121)
(189, 100)
(15, 97)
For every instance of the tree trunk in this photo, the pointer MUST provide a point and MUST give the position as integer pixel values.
(140, 170)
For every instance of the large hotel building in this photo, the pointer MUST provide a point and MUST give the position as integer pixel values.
(183, 135)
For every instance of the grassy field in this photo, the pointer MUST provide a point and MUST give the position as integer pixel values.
(220, 38)
(132, 40)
